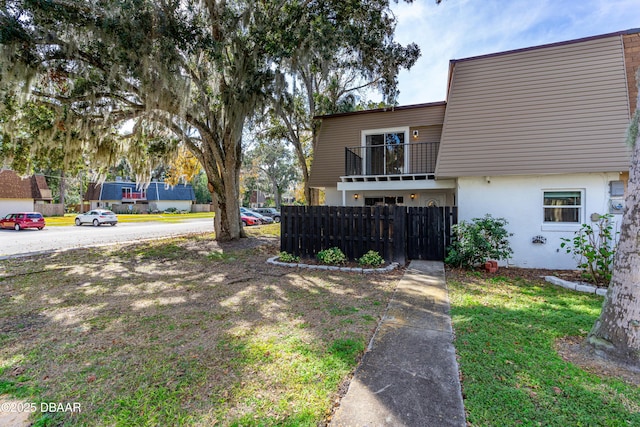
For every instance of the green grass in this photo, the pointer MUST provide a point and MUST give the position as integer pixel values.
(68, 219)
(505, 334)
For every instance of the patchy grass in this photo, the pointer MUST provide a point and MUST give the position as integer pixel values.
(506, 330)
(182, 332)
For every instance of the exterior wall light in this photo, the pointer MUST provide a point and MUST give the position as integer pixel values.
(413, 196)
(355, 196)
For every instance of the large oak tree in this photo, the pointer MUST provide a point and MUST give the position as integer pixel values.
(138, 77)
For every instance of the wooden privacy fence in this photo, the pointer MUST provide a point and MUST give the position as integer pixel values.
(397, 233)
(429, 231)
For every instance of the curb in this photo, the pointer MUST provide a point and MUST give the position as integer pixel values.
(390, 267)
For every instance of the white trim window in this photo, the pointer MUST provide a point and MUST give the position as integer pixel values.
(563, 206)
(385, 151)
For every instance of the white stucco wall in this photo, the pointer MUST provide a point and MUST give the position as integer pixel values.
(519, 199)
(162, 205)
(8, 206)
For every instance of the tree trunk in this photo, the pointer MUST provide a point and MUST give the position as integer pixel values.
(276, 192)
(226, 222)
(62, 190)
(224, 185)
(617, 331)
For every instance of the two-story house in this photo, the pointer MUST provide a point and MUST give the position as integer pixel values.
(533, 135)
(124, 196)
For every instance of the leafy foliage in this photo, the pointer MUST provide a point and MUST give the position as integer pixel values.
(371, 259)
(594, 248)
(272, 161)
(287, 257)
(175, 72)
(183, 167)
(479, 240)
(199, 182)
(332, 256)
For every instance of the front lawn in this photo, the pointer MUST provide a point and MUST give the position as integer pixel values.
(188, 332)
(506, 330)
(182, 332)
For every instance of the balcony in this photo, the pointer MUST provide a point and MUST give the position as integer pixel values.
(133, 196)
(391, 162)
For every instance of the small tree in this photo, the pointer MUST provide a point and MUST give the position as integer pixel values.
(479, 240)
(594, 248)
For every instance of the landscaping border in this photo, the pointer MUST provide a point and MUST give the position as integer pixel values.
(390, 267)
(580, 286)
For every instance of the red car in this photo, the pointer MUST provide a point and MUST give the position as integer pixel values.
(21, 220)
(249, 220)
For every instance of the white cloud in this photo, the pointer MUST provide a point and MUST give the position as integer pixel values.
(462, 28)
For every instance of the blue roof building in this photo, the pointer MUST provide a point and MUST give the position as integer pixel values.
(123, 196)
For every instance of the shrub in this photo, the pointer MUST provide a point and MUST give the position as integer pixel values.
(594, 248)
(332, 256)
(479, 240)
(371, 259)
(287, 257)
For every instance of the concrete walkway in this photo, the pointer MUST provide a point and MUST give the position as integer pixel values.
(409, 376)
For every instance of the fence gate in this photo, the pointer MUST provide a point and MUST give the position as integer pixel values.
(429, 231)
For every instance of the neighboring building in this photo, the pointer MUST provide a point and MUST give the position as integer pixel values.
(257, 199)
(123, 197)
(533, 135)
(22, 195)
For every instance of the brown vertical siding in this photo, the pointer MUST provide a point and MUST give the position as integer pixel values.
(418, 159)
(632, 62)
(340, 131)
(555, 109)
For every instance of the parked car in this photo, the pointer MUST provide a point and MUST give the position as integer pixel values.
(21, 220)
(269, 212)
(249, 220)
(263, 219)
(97, 217)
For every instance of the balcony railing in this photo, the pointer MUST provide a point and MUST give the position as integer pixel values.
(397, 159)
(128, 196)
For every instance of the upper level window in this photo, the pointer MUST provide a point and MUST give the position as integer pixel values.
(385, 151)
(563, 206)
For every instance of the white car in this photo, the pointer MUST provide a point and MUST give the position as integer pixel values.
(97, 217)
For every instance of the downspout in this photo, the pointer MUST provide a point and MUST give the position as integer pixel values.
(344, 197)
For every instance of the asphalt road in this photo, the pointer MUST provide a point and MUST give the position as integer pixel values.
(30, 241)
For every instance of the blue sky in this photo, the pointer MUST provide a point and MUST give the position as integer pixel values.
(462, 28)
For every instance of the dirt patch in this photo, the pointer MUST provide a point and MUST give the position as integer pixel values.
(14, 413)
(535, 275)
(572, 349)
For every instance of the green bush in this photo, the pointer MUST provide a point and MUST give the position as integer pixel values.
(371, 259)
(477, 241)
(594, 248)
(287, 257)
(332, 256)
